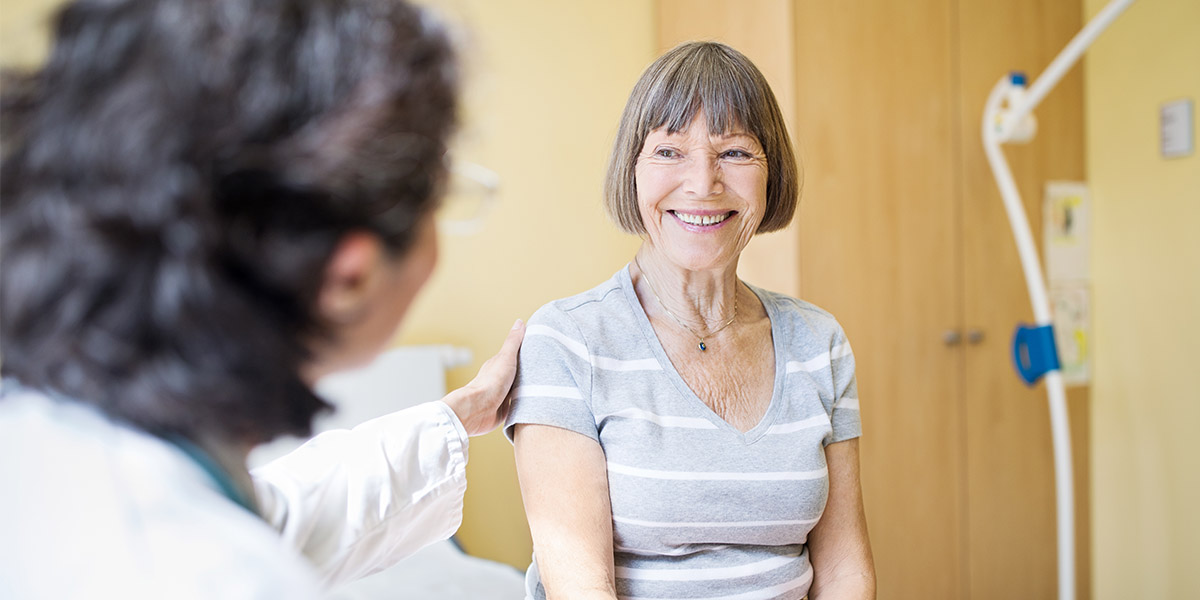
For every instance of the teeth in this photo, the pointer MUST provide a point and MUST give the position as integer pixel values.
(701, 219)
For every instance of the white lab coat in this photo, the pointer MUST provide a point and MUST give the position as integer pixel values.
(90, 508)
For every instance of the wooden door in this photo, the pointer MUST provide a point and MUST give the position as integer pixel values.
(874, 241)
(879, 249)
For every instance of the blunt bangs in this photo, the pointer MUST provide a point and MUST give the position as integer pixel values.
(709, 81)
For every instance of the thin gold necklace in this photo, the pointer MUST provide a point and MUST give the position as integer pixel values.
(699, 337)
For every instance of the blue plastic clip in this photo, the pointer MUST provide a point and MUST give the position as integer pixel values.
(1034, 352)
(1017, 78)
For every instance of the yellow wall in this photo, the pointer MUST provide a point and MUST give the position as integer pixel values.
(23, 39)
(547, 82)
(1146, 269)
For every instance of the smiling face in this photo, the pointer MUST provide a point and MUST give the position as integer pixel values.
(701, 195)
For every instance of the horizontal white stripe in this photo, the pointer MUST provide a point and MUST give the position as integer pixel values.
(709, 524)
(811, 365)
(715, 476)
(761, 594)
(614, 364)
(677, 551)
(577, 348)
(817, 363)
(808, 423)
(847, 404)
(548, 391)
(709, 574)
(600, 362)
(660, 420)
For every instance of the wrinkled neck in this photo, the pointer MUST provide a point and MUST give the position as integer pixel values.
(704, 299)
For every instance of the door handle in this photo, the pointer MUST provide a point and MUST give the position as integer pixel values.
(952, 337)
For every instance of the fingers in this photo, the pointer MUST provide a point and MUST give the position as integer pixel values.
(505, 406)
(485, 401)
(502, 410)
(512, 343)
(503, 366)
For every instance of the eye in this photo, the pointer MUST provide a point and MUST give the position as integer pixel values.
(666, 153)
(737, 154)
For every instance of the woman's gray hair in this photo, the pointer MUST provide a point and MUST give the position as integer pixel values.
(733, 94)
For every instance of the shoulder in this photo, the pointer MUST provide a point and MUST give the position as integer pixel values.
(801, 319)
(602, 299)
(151, 527)
(595, 318)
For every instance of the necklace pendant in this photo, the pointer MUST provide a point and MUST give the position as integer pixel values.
(702, 346)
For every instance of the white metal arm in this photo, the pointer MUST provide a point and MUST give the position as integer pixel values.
(1007, 117)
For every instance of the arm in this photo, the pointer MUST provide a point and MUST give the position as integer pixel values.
(564, 484)
(356, 502)
(838, 546)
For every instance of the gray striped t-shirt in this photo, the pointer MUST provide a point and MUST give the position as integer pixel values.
(700, 509)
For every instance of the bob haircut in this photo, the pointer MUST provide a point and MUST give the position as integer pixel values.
(175, 179)
(734, 95)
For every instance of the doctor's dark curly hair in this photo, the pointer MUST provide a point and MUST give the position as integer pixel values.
(174, 181)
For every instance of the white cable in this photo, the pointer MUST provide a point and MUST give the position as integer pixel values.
(1026, 247)
(999, 126)
(1067, 57)
(1059, 421)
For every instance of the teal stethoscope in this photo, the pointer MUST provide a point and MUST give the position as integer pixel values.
(214, 471)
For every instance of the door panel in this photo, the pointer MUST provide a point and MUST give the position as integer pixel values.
(874, 242)
(878, 248)
(1011, 540)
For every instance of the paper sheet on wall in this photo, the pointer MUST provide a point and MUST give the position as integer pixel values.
(1066, 229)
(1067, 245)
(1071, 306)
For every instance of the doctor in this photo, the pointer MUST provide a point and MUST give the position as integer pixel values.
(207, 206)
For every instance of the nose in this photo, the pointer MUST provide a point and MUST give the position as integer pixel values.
(703, 177)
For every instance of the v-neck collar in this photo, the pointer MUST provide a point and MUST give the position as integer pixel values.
(754, 433)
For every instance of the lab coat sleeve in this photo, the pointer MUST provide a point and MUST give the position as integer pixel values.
(355, 502)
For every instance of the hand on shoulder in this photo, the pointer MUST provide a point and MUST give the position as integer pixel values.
(482, 405)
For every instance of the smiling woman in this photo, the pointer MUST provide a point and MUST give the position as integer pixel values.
(722, 85)
(695, 182)
(680, 433)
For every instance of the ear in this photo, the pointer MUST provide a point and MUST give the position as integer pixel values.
(352, 276)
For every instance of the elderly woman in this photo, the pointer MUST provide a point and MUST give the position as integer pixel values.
(207, 207)
(680, 433)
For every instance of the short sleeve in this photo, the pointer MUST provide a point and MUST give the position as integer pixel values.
(554, 378)
(843, 415)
